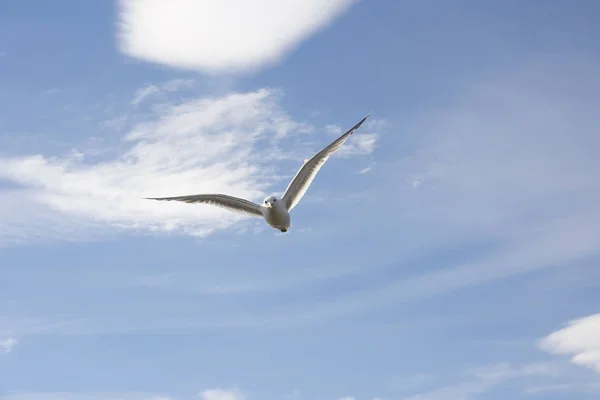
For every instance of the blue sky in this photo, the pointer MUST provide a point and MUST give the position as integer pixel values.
(449, 251)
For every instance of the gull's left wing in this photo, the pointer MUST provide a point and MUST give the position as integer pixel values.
(304, 177)
(235, 204)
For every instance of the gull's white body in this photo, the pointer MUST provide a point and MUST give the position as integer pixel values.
(275, 211)
(276, 214)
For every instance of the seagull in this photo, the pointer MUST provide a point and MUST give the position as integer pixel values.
(274, 210)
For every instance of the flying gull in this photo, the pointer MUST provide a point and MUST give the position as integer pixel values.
(275, 211)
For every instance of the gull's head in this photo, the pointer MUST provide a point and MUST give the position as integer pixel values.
(270, 201)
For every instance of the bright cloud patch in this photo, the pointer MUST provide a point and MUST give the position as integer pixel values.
(7, 345)
(220, 394)
(220, 35)
(360, 144)
(227, 144)
(580, 339)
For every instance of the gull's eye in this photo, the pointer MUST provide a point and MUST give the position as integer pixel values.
(274, 200)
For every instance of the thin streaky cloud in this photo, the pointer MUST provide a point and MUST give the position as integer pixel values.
(520, 257)
(474, 382)
(153, 89)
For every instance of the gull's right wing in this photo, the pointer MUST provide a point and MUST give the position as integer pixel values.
(231, 203)
(301, 182)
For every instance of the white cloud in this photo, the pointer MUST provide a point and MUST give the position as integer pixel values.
(580, 339)
(7, 345)
(221, 144)
(221, 35)
(221, 394)
(362, 144)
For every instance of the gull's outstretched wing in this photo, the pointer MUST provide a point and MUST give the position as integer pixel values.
(304, 177)
(220, 200)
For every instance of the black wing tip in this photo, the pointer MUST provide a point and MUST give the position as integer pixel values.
(365, 118)
(355, 127)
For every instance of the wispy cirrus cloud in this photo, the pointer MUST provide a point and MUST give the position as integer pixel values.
(260, 283)
(220, 36)
(518, 256)
(224, 144)
(153, 89)
(524, 179)
(521, 180)
(474, 382)
(569, 387)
